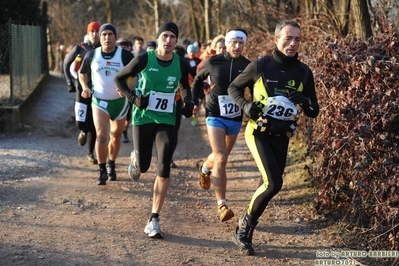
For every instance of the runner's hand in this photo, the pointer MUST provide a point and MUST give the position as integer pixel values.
(195, 109)
(86, 93)
(253, 110)
(297, 97)
(141, 101)
(71, 87)
(187, 110)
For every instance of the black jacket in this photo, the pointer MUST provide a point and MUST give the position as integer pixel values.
(280, 75)
(222, 69)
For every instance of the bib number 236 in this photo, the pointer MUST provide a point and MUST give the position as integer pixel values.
(280, 108)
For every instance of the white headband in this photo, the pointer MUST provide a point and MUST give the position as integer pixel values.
(236, 34)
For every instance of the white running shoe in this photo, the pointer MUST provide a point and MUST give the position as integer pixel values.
(153, 229)
(132, 170)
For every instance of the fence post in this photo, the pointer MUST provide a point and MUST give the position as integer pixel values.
(11, 64)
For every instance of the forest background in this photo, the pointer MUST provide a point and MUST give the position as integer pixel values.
(351, 153)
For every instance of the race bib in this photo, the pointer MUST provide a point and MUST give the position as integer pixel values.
(161, 102)
(192, 63)
(72, 70)
(227, 107)
(80, 112)
(103, 104)
(280, 108)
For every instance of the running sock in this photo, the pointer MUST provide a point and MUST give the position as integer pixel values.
(102, 166)
(251, 220)
(111, 162)
(204, 169)
(222, 201)
(154, 215)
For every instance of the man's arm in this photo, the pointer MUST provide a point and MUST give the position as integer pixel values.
(198, 82)
(312, 108)
(135, 66)
(68, 60)
(84, 71)
(185, 90)
(246, 79)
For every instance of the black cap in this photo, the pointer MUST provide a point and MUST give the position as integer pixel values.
(107, 26)
(168, 26)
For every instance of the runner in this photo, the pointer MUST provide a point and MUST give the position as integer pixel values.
(223, 117)
(109, 105)
(154, 113)
(83, 111)
(280, 82)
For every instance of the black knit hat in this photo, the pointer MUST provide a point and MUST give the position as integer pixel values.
(168, 26)
(107, 26)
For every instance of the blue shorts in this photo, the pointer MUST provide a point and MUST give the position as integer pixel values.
(230, 126)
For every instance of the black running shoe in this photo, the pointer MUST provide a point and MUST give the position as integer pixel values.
(82, 138)
(111, 171)
(102, 178)
(242, 236)
(243, 244)
(91, 158)
(125, 139)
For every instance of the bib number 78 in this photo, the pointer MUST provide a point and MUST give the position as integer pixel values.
(161, 102)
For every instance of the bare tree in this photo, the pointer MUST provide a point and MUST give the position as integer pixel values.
(203, 19)
(108, 10)
(207, 19)
(154, 6)
(218, 16)
(361, 18)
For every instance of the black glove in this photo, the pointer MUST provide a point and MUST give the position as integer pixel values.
(141, 101)
(253, 110)
(297, 97)
(71, 87)
(187, 110)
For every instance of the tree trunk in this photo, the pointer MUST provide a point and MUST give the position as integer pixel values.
(108, 10)
(192, 29)
(156, 15)
(361, 18)
(325, 6)
(218, 16)
(344, 10)
(207, 22)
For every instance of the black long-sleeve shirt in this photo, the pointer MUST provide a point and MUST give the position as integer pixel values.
(281, 75)
(80, 49)
(222, 69)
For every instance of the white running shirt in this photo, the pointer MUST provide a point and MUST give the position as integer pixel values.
(103, 72)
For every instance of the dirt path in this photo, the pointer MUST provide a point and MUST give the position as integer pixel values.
(53, 213)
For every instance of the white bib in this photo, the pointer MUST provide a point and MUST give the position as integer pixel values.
(227, 107)
(161, 102)
(279, 107)
(72, 70)
(192, 63)
(80, 112)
